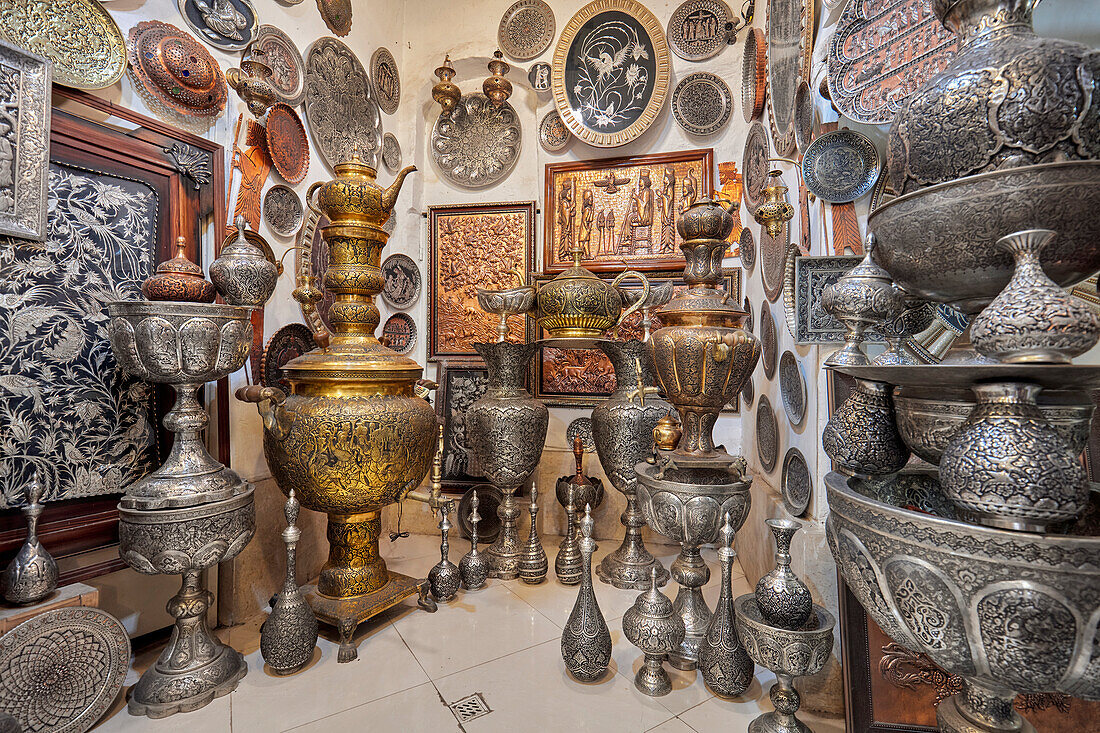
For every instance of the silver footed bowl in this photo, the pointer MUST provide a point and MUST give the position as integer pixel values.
(940, 242)
(686, 505)
(1010, 612)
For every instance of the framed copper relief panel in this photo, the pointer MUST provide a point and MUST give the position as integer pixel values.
(622, 211)
(474, 246)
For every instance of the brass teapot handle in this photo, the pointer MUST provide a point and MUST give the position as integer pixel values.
(309, 198)
(637, 303)
(308, 291)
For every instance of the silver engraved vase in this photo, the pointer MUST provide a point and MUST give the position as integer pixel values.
(289, 635)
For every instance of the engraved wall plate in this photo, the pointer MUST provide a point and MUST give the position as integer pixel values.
(385, 80)
(539, 77)
(754, 74)
(841, 166)
(803, 121)
(790, 27)
(400, 329)
(796, 484)
(767, 434)
(289, 342)
(697, 29)
(391, 152)
(400, 281)
(477, 144)
(702, 103)
(769, 340)
(773, 258)
(748, 393)
(226, 24)
(881, 53)
(812, 323)
(282, 210)
(341, 114)
(63, 669)
(554, 136)
(747, 246)
(337, 15)
(24, 142)
(749, 320)
(93, 58)
(754, 166)
(610, 72)
(792, 388)
(526, 29)
(288, 70)
(287, 144)
(175, 70)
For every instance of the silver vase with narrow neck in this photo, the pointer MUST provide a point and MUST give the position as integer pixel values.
(653, 626)
(724, 664)
(473, 568)
(31, 576)
(568, 563)
(622, 426)
(443, 578)
(289, 635)
(532, 562)
(783, 599)
(863, 297)
(586, 640)
(242, 274)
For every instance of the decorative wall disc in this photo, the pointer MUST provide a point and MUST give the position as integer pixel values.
(342, 115)
(337, 15)
(282, 210)
(748, 393)
(803, 122)
(792, 388)
(400, 329)
(767, 434)
(286, 143)
(754, 167)
(881, 53)
(773, 259)
(93, 58)
(226, 24)
(288, 70)
(175, 70)
(790, 43)
(61, 670)
(385, 80)
(797, 484)
(400, 281)
(289, 342)
(610, 73)
(702, 103)
(747, 246)
(748, 323)
(554, 136)
(769, 341)
(391, 152)
(539, 77)
(697, 29)
(526, 29)
(841, 166)
(754, 74)
(476, 145)
(582, 426)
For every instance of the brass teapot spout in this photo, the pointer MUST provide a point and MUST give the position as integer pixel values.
(389, 196)
(269, 401)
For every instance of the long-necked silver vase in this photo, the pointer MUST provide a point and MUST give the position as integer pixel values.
(586, 640)
(289, 635)
(32, 574)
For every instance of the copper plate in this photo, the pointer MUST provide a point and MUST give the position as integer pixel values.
(754, 167)
(769, 340)
(747, 246)
(337, 15)
(767, 434)
(176, 70)
(797, 484)
(773, 259)
(754, 74)
(790, 42)
(289, 342)
(229, 25)
(841, 166)
(288, 70)
(400, 329)
(526, 29)
(287, 144)
(385, 80)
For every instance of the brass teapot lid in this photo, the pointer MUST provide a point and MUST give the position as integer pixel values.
(576, 271)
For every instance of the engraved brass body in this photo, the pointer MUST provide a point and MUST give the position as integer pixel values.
(577, 304)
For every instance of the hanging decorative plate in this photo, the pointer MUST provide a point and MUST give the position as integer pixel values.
(767, 434)
(385, 80)
(747, 323)
(754, 167)
(611, 72)
(554, 136)
(62, 669)
(79, 37)
(702, 103)
(769, 341)
(539, 77)
(286, 143)
(697, 29)
(341, 114)
(391, 152)
(792, 388)
(881, 53)
(790, 43)
(401, 332)
(400, 281)
(477, 144)
(288, 70)
(175, 70)
(526, 30)
(582, 426)
(747, 246)
(337, 15)
(796, 483)
(289, 342)
(841, 166)
(773, 258)
(754, 74)
(282, 210)
(748, 393)
(226, 24)
(803, 117)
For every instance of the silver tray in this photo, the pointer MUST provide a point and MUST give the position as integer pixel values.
(702, 103)
(841, 166)
(342, 115)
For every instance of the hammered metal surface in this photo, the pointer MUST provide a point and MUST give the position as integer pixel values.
(342, 115)
(792, 388)
(554, 136)
(286, 143)
(526, 29)
(282, 210)
(288, 70)
(476, 145)
(797, 483)
(754, 74)
(790, 39)
(401, 281)
(385, 80)
(773, 258)
(754, 166)
(841, 166)
(697, 29)
(769, 340)
(25, 98)
(174, 69)
(767, 434)
(702, 103)
(226, 24)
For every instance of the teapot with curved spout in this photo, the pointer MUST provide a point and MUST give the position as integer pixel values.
(577, 304)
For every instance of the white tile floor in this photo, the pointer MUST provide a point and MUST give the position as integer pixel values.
(501, 641)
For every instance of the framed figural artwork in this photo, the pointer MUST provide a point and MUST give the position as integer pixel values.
(474, 246)
(461, 384)
(621, 212)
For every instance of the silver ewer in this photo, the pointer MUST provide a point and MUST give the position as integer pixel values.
(724, 664)
(586, 640)
(31, 575)
(653, 626)
(289, 635)
(782, 597)
(242, 274)
(473, 569)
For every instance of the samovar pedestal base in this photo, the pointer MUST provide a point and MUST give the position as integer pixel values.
(503, 555)
(628, 567)
(980, 710)
(345, 614)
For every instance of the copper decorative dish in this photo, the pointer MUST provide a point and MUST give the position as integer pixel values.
(754, 74)
(336, 14)
(287, 144)
(176, 70)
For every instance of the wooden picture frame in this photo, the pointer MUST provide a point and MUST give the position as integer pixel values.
(461, 383)
(622, 211)
(474, 246)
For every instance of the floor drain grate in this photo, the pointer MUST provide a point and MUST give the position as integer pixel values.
(469, 707)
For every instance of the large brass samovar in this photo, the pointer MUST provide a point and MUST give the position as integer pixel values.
(351, 437)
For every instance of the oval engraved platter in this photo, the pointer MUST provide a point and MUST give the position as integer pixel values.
(767, 434)
(342, 114)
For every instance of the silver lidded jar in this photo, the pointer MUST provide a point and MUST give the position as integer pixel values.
(242, 274)
(653, 626)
